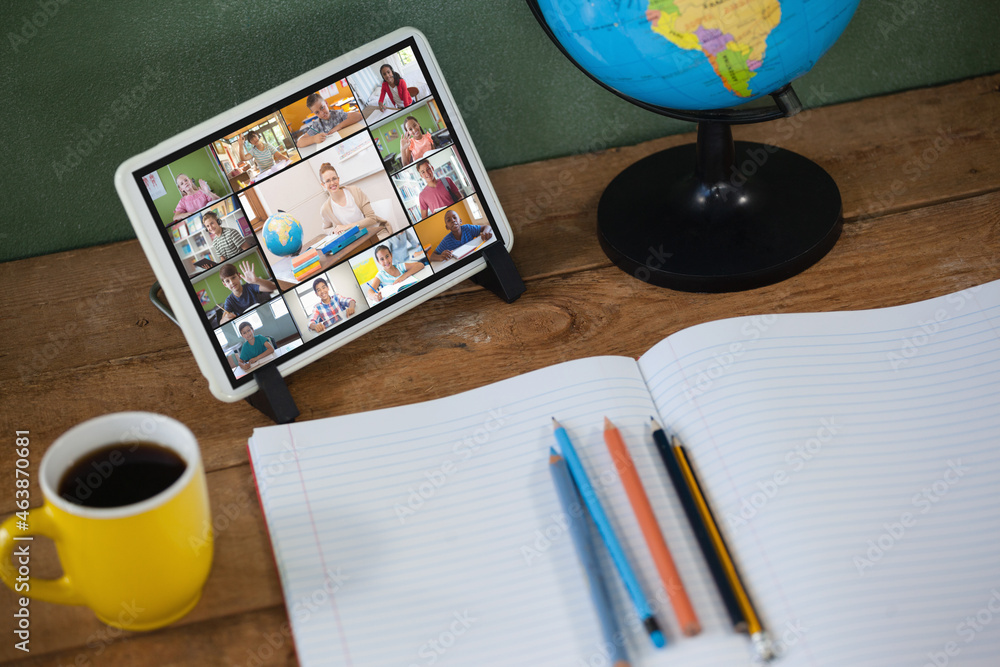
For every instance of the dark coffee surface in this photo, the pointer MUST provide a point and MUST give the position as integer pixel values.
(121, 474)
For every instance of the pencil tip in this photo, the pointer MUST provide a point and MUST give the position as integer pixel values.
(607, 424)
(762, 645)
(653, 628)
(554, 456)
(556, 424)
(656, 424)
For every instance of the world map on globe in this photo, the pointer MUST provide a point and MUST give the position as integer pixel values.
(282, 234)
(696, 54)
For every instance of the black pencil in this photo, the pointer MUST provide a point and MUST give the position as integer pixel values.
(698, 526)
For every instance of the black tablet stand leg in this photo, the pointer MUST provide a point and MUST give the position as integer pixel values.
(272, 397)
(500, 275)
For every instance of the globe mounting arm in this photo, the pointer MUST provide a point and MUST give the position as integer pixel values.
(786, 103)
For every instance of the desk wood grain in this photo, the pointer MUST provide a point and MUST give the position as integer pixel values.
(919, 173)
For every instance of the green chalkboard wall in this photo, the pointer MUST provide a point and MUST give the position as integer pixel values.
(118, 77)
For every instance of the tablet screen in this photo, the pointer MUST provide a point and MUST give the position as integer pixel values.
(310, 216)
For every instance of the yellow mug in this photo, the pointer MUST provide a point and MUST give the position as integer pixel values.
(138, 566)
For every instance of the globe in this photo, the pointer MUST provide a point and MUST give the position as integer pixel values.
(696, 54)
(282, 234)
(718, 215)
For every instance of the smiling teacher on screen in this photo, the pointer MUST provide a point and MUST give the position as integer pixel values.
(347, 206)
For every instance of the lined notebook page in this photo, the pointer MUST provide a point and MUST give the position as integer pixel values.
(854, 460)
(431, 533)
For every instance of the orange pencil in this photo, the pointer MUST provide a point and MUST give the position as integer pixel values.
(651, 531)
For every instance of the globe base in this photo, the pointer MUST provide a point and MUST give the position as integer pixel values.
(748, 215)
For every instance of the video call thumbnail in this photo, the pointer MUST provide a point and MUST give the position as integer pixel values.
(389, 85)
(323, 118)
(227, 291)
(216, 234)
(258, 337)
(329, 206)
(186, 185)
(432, 184)
(326, 302)
(390, 267)
(454, 233)
(255, 151)
(407, 137)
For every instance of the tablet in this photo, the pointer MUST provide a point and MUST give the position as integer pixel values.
(305, 217)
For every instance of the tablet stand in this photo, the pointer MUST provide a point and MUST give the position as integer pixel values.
(500, 275)
(272, 396)
(161, 305)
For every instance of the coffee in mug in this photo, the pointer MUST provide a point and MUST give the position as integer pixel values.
(121, 474)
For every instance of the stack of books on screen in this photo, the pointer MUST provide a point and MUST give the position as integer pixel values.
(337, 242)
(849, 460)
(305, 264)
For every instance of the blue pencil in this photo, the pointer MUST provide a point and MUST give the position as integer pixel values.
(572, 504)
(608, 535)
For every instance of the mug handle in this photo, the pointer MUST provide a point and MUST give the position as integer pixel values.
(41, 522)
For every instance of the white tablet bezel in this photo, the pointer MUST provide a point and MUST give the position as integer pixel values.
(175, 285)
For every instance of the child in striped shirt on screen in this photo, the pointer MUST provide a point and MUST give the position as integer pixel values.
(263, 153)
(226, 242)
(331, 309)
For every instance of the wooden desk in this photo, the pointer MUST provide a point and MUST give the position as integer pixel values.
(919, 173)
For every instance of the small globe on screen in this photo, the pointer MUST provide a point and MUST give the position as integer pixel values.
(696, 54)
(282, 234)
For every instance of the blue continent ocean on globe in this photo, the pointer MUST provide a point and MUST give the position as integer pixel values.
(697, 54)
(282, 234)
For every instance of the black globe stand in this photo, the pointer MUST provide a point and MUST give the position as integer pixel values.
(719, 216)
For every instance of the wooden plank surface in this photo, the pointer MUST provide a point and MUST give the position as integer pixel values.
(83, 339)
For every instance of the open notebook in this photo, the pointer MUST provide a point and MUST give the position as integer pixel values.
(464, 249)
(853, 459)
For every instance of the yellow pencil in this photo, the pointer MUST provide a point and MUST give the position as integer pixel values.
(761, 642)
